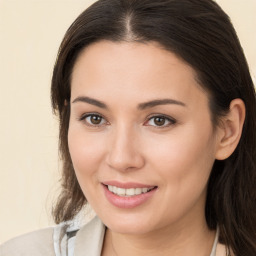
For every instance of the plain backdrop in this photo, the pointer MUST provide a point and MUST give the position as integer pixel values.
(30, 34)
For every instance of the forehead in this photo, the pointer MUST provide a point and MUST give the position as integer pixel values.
(136, 55)
(133, 70)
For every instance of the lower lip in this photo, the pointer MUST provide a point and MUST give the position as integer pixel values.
(129, 201)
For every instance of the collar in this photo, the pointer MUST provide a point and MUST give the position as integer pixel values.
(89, 239)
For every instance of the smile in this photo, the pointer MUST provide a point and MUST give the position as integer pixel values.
(128, 192)
(128, 195)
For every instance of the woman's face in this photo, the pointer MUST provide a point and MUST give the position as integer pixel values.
(140, 136)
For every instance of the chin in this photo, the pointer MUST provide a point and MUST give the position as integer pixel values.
(128, 224)
(131, 229)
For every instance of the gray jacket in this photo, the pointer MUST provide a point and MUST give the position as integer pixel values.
(62, 240)
(69, 239)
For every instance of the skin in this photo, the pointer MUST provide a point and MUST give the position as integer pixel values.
(128, 145)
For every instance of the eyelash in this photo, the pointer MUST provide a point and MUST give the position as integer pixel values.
(83, 119)
(171, 121)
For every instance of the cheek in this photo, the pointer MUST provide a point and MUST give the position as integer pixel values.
(184, 160)
(86, 152)
(184, 165)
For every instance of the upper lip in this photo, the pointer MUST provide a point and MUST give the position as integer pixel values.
(127, 185)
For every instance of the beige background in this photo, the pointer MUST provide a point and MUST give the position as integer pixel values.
(30, 33)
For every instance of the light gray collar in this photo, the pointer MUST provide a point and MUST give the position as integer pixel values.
(89, 239)
(74, 240)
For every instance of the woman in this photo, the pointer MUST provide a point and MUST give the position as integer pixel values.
(157, 132)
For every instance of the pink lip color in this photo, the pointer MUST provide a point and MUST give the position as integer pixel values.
(127, 184)
(129, 201)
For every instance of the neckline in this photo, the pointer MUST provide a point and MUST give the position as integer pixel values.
(215, 243)
(91, 235)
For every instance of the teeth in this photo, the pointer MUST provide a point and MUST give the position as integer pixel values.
(129, 191)
(138, 191)
(120, 191)
(144, 190)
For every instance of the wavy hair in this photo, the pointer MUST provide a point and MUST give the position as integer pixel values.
(201, 33)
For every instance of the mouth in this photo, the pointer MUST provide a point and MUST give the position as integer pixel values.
(128, 195)
(128, 192)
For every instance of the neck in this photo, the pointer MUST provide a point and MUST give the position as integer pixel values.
(194, 240)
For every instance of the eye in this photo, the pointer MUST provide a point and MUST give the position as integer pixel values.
(160, 121)
(93, 120)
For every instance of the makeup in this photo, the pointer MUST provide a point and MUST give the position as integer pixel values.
(128, 195)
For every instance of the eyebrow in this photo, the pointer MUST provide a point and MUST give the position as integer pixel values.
(141, 106)
(153, 103)
(91, 101)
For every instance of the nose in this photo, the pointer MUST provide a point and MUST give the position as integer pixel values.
(125, 152)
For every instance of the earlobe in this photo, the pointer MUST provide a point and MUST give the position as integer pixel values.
(230, 131)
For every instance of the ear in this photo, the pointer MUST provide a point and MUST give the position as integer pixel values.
(230, 130)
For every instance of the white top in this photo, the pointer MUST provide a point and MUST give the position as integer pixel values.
(74, 238)
(89, 238)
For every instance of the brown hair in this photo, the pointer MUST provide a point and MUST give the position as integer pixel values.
(202, 35)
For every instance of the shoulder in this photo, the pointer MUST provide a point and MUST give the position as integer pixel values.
(75, 236)
(36, 243)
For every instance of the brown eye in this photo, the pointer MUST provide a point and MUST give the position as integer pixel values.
(94, 119)
(159, 121)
